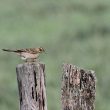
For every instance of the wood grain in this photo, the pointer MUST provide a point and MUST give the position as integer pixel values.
(78, 88)
(31, 85)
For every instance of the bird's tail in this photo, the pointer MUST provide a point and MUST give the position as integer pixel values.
(8, 50)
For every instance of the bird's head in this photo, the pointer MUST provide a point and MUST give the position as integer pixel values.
(41, 50)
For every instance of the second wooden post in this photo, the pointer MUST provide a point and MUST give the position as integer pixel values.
(78, 88)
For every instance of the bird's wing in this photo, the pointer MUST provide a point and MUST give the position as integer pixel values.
(29, 50)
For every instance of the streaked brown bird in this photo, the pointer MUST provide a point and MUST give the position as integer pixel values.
(29, 54)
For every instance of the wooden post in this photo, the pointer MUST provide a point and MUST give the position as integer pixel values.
(78, 88)
(31, 84)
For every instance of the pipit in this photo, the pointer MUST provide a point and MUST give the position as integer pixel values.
(29, 54)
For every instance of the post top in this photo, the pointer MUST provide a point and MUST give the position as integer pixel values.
(29, 64)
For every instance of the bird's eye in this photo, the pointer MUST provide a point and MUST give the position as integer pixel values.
(40, 49)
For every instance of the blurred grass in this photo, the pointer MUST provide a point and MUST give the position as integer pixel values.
(73, 31)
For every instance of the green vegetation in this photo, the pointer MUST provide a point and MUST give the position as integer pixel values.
(74, 31)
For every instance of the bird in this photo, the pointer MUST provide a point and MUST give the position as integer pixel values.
(27, 54)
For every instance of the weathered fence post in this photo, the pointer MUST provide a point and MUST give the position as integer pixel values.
(78, 88)
(31, 84)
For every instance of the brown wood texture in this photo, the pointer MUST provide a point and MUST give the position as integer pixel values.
(31, 85)
(78, 88)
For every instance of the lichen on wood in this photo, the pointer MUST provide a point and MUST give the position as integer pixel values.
(78, 88)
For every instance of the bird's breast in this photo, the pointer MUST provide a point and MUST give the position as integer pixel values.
(29, 55)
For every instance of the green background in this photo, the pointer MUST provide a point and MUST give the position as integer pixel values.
(71, 31)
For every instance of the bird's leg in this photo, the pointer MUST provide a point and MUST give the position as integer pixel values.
(31, 60)
(37, 60)
(34, 60)
(26, 60)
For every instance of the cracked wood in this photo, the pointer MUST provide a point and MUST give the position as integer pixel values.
(78, 88)
(31, 85)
